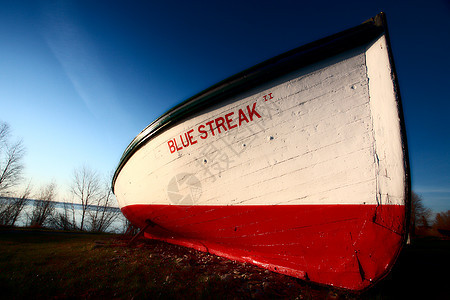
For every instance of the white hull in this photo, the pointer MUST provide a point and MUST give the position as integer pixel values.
(327, 134)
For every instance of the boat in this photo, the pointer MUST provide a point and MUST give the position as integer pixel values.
(298, 165)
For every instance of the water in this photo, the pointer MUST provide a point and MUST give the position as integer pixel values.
(118, 226)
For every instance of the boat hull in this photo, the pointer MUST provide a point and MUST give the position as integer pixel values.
(298, 165)
(330, 244)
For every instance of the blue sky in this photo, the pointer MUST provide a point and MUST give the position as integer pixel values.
(80, 79)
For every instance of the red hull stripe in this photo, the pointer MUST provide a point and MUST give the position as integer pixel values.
(348, 246)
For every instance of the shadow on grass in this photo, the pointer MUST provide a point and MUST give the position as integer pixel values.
(44, 264)
(420, 272)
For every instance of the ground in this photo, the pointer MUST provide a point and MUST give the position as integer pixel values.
(45, 264)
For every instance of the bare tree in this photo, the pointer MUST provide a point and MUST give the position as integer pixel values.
(419, 213)
(11, 207)
(442, 221)
(44, 206)
(103, 212)
(65, 219)
(11, 156)
(86, 190)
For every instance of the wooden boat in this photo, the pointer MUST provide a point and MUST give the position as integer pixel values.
(298, 165)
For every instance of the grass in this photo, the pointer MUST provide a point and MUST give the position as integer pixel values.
(54, 265)
(43, 265)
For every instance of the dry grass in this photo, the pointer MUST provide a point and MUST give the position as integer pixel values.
(36, 264)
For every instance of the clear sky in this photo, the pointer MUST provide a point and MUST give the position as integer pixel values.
(80, 79)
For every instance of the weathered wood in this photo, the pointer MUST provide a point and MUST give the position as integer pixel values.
(305, 173)
(141, 232)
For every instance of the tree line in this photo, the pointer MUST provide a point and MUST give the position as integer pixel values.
(88, 191)
(422, 221)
